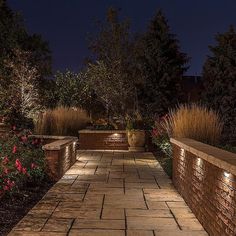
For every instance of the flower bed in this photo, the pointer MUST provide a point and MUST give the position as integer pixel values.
(23, 179)
(21, 161)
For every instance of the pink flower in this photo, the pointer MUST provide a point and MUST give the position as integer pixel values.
(14, 149)
(33, 166)
(24, 171)
(6, 171)
(13, 127)
(5, 161)
(18, 165)
(10, 183)
(6, 188)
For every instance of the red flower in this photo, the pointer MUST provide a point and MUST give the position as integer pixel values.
(24, 171)
(5, 161)
(14, 149)
(18, 165)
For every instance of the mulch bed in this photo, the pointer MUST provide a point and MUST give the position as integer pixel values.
(13, 209)
(165, 161)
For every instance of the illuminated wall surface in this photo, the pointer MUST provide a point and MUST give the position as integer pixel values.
(205, 177)
(60, 156)
(110, 140)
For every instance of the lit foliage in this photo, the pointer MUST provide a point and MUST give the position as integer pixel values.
(110, 75)
(71, 89)
(114, 93)
(23, 96)
(161, 136)
(21, 162)
(219, 76)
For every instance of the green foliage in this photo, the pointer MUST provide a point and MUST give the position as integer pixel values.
(160, 137)
(161, 65)
(21, 162)
(219, 76)
(72, 89)
(135, 122)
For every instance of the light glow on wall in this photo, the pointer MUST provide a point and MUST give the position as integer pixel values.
(74, 146)
(226, 174)
(182, 152)
(199, 161)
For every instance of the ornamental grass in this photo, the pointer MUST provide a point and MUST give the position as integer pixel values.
(194, 122)
(62, 121)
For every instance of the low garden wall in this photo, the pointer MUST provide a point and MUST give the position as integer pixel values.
(60, 153)
(103, 140)
(206, 178)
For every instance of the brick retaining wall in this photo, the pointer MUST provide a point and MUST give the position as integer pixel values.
(206, 178)
(103, 139)
(60, 153)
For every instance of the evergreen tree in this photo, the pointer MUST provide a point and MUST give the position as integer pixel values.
(161, 64)
(219, 76)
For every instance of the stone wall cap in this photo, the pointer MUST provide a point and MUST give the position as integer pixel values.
(42, 136)
(216, 156)
(58, 144)
(87, 131)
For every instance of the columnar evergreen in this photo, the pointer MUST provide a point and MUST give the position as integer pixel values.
(219, 76)
(161, 64)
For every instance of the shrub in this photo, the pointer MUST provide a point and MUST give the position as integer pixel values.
(21, 162)
(62, 121)
(195, 122)
(160, 136)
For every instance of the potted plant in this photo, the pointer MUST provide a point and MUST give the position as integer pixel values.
(136, 134)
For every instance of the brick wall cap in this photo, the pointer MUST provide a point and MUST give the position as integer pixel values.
(85, 131)
(216, 156)
(59, 144)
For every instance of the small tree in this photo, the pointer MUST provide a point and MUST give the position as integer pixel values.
(13, 37)
(114, 93)
(219, 76)
(21, 97)
(111, 76)
(161, 64)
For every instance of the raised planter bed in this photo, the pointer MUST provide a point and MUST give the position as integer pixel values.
(206, 178)
(60, 153)
(103, 140)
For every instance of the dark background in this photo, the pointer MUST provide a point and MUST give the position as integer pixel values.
(66, 23)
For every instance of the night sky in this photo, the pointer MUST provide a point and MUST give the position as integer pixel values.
(66, 23)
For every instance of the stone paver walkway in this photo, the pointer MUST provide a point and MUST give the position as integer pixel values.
(111, 194)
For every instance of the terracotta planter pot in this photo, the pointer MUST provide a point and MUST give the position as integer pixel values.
(136, 140)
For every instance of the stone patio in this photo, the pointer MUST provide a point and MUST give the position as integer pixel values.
(111, 194)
